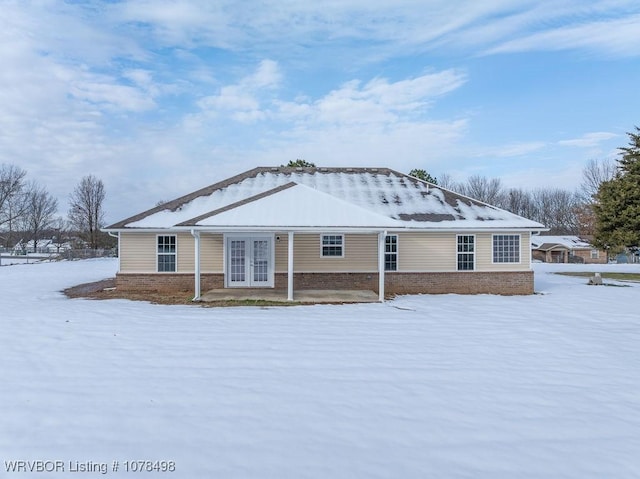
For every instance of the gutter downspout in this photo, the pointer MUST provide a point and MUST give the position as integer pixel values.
(196, 235)
(290, 266)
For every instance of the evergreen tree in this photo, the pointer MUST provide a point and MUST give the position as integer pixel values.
(300, 164)
(618, 202)
(423, 175)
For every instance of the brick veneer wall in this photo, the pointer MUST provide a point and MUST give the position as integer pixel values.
(167, 282)
(462, 282)
(467, 282)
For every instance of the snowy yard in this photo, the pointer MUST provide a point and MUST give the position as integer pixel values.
(545, 386)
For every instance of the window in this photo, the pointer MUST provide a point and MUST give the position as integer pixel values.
(595, 254)
(332, 245)
(166, 253)
(466, 252)
(506, 248)
(391, 253)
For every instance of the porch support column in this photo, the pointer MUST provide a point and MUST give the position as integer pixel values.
(196, 236)
(381, 243)
(290, 266)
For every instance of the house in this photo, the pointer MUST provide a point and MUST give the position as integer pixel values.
(325, 228)
(566, 249)
(44, 246)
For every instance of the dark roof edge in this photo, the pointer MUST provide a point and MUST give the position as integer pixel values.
(251, 199)
(178, 202)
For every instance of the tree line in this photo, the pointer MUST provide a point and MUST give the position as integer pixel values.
(605, 207)
(28, 211)
(563, 211)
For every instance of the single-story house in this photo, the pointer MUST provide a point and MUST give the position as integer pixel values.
(326, 228)
(566, 249)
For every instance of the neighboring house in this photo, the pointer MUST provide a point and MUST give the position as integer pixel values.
(326, 228)
(565, 249)
(44, 246)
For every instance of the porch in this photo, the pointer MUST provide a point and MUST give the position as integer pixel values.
(314, 296)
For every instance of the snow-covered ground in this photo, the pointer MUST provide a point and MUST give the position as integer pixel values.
(545, 386)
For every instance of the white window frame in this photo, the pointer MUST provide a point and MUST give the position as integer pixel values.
(395, 253)
(595, 254)
(473, 253)
(322, 245)
(493, 256)
(158, 254)
(227, 237)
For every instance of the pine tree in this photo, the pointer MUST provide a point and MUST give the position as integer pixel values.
(618, 207)
(423, 175)
(299, 163)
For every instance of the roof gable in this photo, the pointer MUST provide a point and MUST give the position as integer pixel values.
(293, 205)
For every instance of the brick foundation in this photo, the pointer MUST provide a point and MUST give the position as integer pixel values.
(167, 282)
(467, 282)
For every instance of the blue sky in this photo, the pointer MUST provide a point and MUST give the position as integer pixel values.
(158, 98)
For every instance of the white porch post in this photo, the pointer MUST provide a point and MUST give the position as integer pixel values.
(290, 266)
(196, 235)
(381, 243)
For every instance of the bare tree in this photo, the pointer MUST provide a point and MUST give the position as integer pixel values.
(445, 181)
(39, 214)
(519, 202)
(85, 212)
(557, 209)
(483, 189)
(12, 203)
(594, 174)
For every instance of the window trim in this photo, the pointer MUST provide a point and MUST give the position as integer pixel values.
(394, 253)
(493, 258)
(458, 253)
(166, 254)
(595, 254)
(322, 245)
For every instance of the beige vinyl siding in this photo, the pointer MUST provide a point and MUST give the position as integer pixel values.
(211, 253)
(281, 247)
(138, 252)
(484, 253)
(360, 254)
(186, 253)
(436, 252)
(426, 252)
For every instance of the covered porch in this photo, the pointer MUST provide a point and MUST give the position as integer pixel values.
(250, 273)
(252, 227)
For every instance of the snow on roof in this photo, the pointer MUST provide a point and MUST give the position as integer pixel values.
(393, 198)
(570, 242)
(299, 206)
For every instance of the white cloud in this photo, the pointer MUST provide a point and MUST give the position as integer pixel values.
(589, 140)
(495, 26)
(619, 37)
(510, 150)
(243, 101)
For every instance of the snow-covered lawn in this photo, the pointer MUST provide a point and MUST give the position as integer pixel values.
(545, 386)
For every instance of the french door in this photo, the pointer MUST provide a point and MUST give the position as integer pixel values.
(249, 261)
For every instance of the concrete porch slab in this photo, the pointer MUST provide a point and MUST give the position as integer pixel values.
(300, 296)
